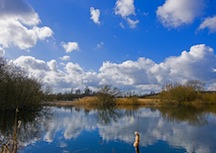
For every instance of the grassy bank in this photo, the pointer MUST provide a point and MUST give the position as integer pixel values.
(94, 102)
(129, 102)
(137, 101)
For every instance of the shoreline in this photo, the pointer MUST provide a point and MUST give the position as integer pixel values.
(124, 102)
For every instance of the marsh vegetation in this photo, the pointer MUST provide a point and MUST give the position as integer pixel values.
(192, 91)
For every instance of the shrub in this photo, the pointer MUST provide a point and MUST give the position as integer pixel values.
(106, 96)
(181, 93)
(209, 97)
(17, 89)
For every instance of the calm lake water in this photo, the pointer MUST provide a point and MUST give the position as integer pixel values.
(70, 130)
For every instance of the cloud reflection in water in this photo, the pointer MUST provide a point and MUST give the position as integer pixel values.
(67, 124)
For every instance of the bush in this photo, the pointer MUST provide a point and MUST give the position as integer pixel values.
(180, 93)
(209, 97)
(106, 96)
(17, 89)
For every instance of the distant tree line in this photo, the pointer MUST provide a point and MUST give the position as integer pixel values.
(70, 95)
(17, 89)
(103, 91)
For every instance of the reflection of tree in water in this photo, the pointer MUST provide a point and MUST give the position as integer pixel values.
(130, 112)
(29, 128)
(190, 114)
(108, 114)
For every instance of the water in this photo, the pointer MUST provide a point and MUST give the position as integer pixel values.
(164, 130)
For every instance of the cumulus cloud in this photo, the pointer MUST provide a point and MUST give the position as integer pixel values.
(19, 25)
(198, 63)
(48, 72)
(174, 13)
(43, 32)
(72, 75)
(145, 74)
(95, 15)
(31, 63)
(65, 58)
(126, 73)
(52, 65)
(209, 23)
(70, 46)
(142, 75)
(20, 9)
(124, 8)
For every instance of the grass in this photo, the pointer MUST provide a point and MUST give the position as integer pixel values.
(93, 102)
(136, 101)
(130, 103)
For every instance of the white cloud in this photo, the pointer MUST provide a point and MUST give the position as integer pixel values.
(124, 8)
(19, 9)
(65, 58)
(198, 63)
(132, 23)
(212, 86)
(78, 77)
(209, 23)
(31, 63)
(73, 75)
(73, 69)
(142, 75)
(129, 73)
(2, 52)
(145, 74)
(175, 13)
(19, 25)
(43, 32)
(122, 25)
(35, 67)
(70, 46)
(95, 15)
(52, 65)
(100, 45)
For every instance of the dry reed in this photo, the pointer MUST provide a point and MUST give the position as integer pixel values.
(11, 145)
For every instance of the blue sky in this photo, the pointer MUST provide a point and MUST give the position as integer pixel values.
(133, 45)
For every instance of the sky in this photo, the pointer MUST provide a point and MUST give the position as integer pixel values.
(134, 45)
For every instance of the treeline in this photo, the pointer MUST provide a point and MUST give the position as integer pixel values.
(103, 91)
(191, 91)
(71, 95)
(104, 97)
(17, 89)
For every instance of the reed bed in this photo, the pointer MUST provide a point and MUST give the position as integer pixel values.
(94, 102)
(11, 145)
(137, 101)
